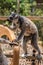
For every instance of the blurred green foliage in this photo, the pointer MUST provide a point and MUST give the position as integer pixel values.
(39, 25)
(26, 8)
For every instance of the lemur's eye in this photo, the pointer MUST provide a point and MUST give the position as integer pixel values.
(11, 18)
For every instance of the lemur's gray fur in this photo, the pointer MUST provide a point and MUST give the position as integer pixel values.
(28, 31)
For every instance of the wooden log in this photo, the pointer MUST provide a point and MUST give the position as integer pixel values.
(4, 30)
(3, 18)
(35, 17)
(4, 41)
(16, 55)
(39, 1)
(30, 17)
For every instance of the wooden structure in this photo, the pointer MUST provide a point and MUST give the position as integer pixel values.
(4, 18)
(6, 31)
(39, 1)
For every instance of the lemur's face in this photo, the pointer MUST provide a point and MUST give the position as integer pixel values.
(13, 18)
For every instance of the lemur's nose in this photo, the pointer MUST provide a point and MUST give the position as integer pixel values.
(10, 18)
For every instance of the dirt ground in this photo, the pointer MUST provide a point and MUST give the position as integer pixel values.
(28, 61)
(25, 61)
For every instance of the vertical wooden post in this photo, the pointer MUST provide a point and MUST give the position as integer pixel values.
(18, 6)
(16, 55)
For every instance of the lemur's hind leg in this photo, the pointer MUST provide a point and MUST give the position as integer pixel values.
(25, 40)
(34, 42)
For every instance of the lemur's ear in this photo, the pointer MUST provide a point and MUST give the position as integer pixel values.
(12, 12)
(16, 16)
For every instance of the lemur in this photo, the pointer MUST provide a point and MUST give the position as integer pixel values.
(28, 32)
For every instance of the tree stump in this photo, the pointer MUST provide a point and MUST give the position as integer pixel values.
(16, 55)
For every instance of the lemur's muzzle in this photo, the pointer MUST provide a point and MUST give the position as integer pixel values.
(10, 19)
